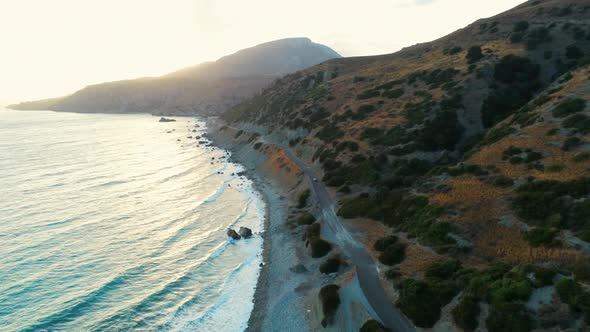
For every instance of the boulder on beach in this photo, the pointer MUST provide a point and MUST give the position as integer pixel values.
(163, 119)
(245, 232)
(233, 234)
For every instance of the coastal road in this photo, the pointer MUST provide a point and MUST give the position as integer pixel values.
(367, 272)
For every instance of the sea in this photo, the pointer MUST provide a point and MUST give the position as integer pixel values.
(118, 223)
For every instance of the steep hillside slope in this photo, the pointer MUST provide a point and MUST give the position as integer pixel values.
(207, 88)
(474, 150)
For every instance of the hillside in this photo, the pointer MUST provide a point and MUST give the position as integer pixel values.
(207, 88)
(473, 150)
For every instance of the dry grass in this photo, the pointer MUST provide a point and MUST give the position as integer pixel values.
(535, 138)
(418, 259)
(480, 207)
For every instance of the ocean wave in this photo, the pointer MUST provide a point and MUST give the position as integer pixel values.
(155, 298)
(177, 323)
(76, 307)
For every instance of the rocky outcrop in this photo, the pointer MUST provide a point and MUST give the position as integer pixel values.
(163, 119)
(233, 234)
(245, 232)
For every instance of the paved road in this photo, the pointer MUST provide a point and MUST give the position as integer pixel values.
(367, 273)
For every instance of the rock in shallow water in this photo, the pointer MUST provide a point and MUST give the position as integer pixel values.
(233, 234)
(245, 232)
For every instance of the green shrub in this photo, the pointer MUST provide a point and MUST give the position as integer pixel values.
(569, 107)
(443, 271)
(312, 231)
(516, 37)
(508, 317)
(541, 201)
(455, 49)
(331, 265)
(330, 300)
(521, 26)
(368, 94)
(510, 290)
(503, 181)
(547, 54)
(329, 133)
(573, 52)
(319, 247)
(392, 273)
(543, 276)
(393, 254)
(466, 313)
(571, 143)
(540, 236)
(578, 121)
(306, 219)
(519, 78)
(474, 54)
(348, 145)
(422, 301)
(373, 326)
(393, 94)
(568, 291)
(536, 37)
(583, 156)
(442, 132)
(383, 243)
(302, 199)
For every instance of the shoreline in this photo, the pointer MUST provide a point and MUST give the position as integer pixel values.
(275, 278)
(260, 293)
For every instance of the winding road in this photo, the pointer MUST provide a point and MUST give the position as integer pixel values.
(367, 273)
(366, 269)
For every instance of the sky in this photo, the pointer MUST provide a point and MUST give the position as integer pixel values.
(53, 48)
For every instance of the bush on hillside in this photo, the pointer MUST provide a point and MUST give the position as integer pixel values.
(536, 37)
(508, 317)
(519, 78)
(384, 242)
(466, 313)
(578, 121)
(521, 26)
(444, 271)
(373, 326)
(422, 301)
(393, 254)
(331, 265)
(571, 143)
(302, 199)
(569, 107)
(441, 133)
(574, 52)
(474, 54)
(306, 219)
(319, 247)
(330, 300)
(393, 94)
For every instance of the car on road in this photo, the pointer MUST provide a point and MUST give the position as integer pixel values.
(315, 179)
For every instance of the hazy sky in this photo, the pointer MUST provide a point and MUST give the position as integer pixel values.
(54, 47)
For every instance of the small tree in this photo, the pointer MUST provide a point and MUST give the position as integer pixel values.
(474, 54)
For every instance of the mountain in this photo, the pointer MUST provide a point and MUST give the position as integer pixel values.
(471, 151)
(207, 88)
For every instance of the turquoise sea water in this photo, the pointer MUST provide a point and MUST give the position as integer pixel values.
(117, 223)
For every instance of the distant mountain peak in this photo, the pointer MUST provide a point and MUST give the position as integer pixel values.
(206, 88)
